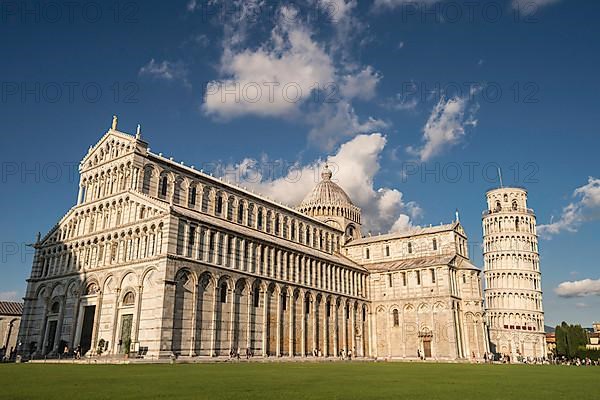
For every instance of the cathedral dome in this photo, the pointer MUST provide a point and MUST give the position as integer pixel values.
(326, 193)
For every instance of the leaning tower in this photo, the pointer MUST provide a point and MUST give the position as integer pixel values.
(513, 292)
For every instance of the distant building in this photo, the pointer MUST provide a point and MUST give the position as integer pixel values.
(10, 320)
(594, 338)
(551, 342)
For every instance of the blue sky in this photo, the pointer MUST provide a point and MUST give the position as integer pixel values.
(415, 103)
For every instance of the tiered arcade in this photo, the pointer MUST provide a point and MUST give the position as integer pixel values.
(513, 292)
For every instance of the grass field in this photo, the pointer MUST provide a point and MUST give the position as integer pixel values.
(298, 381)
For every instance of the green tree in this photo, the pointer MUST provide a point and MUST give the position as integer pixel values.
(561, 339)
(570, 339)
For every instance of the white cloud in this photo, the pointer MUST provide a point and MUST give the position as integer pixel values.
(586, 207)
(273, 80)
(338, 10)
(201, 40)
(445, 127)
(401, 102)
(349, 29)
(397, 3)
(585, 287)
(10, 296)
(362, 84)
(338, 120)
(191, 5)
(530, 7)
(292, 75)
(166, 70)
(355, 166)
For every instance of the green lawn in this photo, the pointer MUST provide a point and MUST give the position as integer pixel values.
(298, 380)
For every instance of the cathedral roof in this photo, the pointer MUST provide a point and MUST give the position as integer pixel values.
(411, 263)
(326, 193)
(11, 308)
(416, 231)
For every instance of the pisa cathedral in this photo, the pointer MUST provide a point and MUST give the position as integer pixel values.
(159, 259)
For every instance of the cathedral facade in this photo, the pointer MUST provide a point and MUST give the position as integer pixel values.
(159, 259)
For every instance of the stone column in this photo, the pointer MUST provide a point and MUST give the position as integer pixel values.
(326, 309)
(249, 318)
(353, 333)
(138, 314)
(265, 321)
(303, 327)
(232, 321)
(345, 325)
(336, 326)
(279, 324)
(213, 328)
(224, 247)
(97, 313)
(115, 319)
(233, 251)
(193, 351)
(314, 327)
(242, 260)
(258, 259)
(291, 309)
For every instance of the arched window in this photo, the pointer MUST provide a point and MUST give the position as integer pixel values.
(219, 206)
(192, 196)
(514, 205)
(506, 198)
(498, 206)
(367, 254)
(240, 216)
(256, 300)
(387, 251)
(128, 299)
(55, 307)
(434, 244)
(223, 292)
(410, 248)
(259, 217)
(396, 318)
(164, 186)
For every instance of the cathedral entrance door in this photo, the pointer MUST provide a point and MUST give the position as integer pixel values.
(51, 335)
(427, 348)
(87, 328)
(125, 340)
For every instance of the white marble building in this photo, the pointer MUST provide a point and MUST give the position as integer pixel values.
(158, 258)
(513, 280)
